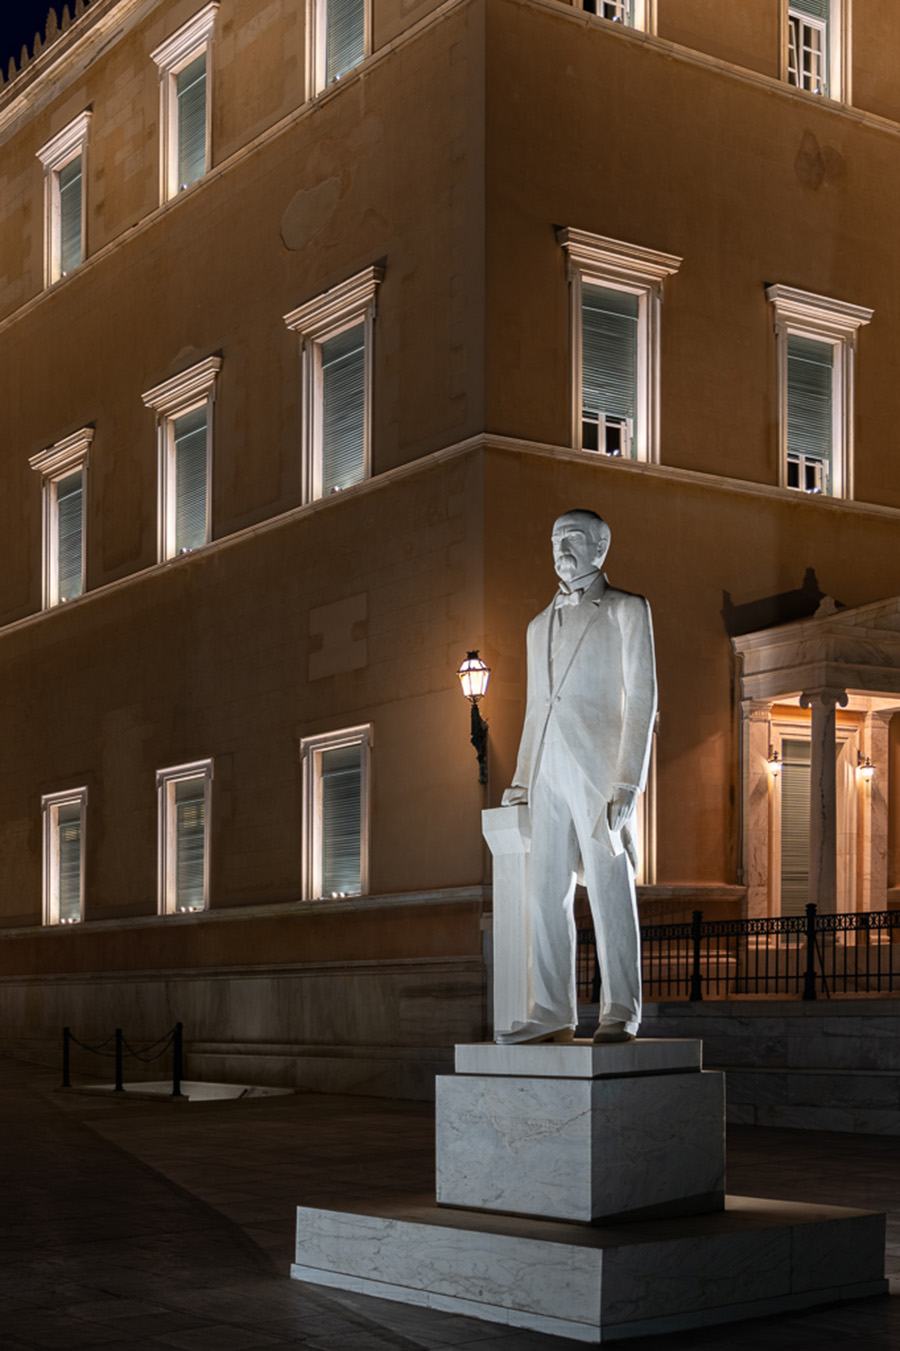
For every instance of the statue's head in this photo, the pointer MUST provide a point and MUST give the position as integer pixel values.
(580, 543)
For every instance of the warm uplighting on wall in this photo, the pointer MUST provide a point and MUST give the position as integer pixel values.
(775, 762)
(864, 768)
(474, 675)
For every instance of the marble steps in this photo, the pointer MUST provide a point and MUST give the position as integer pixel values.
(861, 1101)
(595, 1282)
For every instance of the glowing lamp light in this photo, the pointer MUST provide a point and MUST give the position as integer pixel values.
(775, 762)
(474, 675)
(864, 768)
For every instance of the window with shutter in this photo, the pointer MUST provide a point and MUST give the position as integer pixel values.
(816, 46)
(184, 793)
(335, 833)
(609, 374)
(795, 779)
(70, 177)
(616, 292)
(640, 14)
(63, 816)
(336, 331)
(339, 39)
(617, 11)
(190, 843)
(63, 470)
(343, 409)
(815, 347)
(345, 41)
(341, 771)
(64, 158)
(190, 95)
(190, 454)
(185, 70)
(810, 413)
(184, 407)
(69, 494)
(808, 45)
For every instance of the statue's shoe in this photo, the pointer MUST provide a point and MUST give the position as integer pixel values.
(529, 1034)
(612, 1031)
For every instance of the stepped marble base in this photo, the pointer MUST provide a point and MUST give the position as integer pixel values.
(592, 1282)
(565, 1138)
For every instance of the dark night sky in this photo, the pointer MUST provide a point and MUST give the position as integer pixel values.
(19, 21)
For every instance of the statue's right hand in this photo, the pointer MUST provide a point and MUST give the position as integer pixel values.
(515, 796)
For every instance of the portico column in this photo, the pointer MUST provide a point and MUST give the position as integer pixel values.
(823, 797)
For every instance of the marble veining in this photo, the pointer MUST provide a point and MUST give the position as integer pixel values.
(579, 1149)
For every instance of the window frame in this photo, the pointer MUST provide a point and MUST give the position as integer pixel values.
(167, 843)
(342, 307)
(185, 392)
(835, 323)
(193, 39)
(316, 45)
(643, 14)
(838, 63)
(60, 151)
(311, 750)
(615, 265)
(54, 464)
(50, 805)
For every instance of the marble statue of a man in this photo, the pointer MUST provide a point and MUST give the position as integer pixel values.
(591, 705)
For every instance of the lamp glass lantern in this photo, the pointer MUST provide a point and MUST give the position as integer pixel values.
(474, 675)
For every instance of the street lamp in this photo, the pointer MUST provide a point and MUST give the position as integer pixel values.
(474, 675)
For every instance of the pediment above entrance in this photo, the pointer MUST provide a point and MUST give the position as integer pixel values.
(854, 649)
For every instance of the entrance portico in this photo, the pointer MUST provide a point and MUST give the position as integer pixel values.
(834, 681)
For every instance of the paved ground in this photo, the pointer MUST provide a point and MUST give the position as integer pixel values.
(151, 1225)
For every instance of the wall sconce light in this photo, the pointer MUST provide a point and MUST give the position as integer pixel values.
(775, 762)
(864, 768)
(474, 675)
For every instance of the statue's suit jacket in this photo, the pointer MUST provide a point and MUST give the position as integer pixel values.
(599, 694)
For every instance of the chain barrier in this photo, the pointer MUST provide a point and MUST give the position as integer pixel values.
(173, 1039)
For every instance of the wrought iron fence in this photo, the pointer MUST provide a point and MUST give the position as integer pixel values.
(807, 955)
(121, 1048)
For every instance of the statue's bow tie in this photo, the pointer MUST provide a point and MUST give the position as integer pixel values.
(568, 598)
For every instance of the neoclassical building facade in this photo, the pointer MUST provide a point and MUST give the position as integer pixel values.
(314, 314)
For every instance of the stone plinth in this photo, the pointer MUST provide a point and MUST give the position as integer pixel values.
(582, 1132)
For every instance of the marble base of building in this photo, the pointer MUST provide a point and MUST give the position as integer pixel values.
(537, 1148)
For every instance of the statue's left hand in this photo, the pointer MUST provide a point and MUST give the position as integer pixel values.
(621, 806)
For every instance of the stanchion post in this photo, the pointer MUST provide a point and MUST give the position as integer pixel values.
(177, 1061)
(696, 995)
(809, 976)
(66, 1083)
(119, 1088)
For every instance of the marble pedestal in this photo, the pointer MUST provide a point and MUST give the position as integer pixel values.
(582, 1132)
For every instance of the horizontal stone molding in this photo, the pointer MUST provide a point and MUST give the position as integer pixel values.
(297, 908)
(287, 971)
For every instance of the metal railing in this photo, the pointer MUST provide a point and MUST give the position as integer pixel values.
(121, 1048)
(807, 955)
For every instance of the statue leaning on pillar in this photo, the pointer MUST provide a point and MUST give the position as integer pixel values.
(583, 756)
